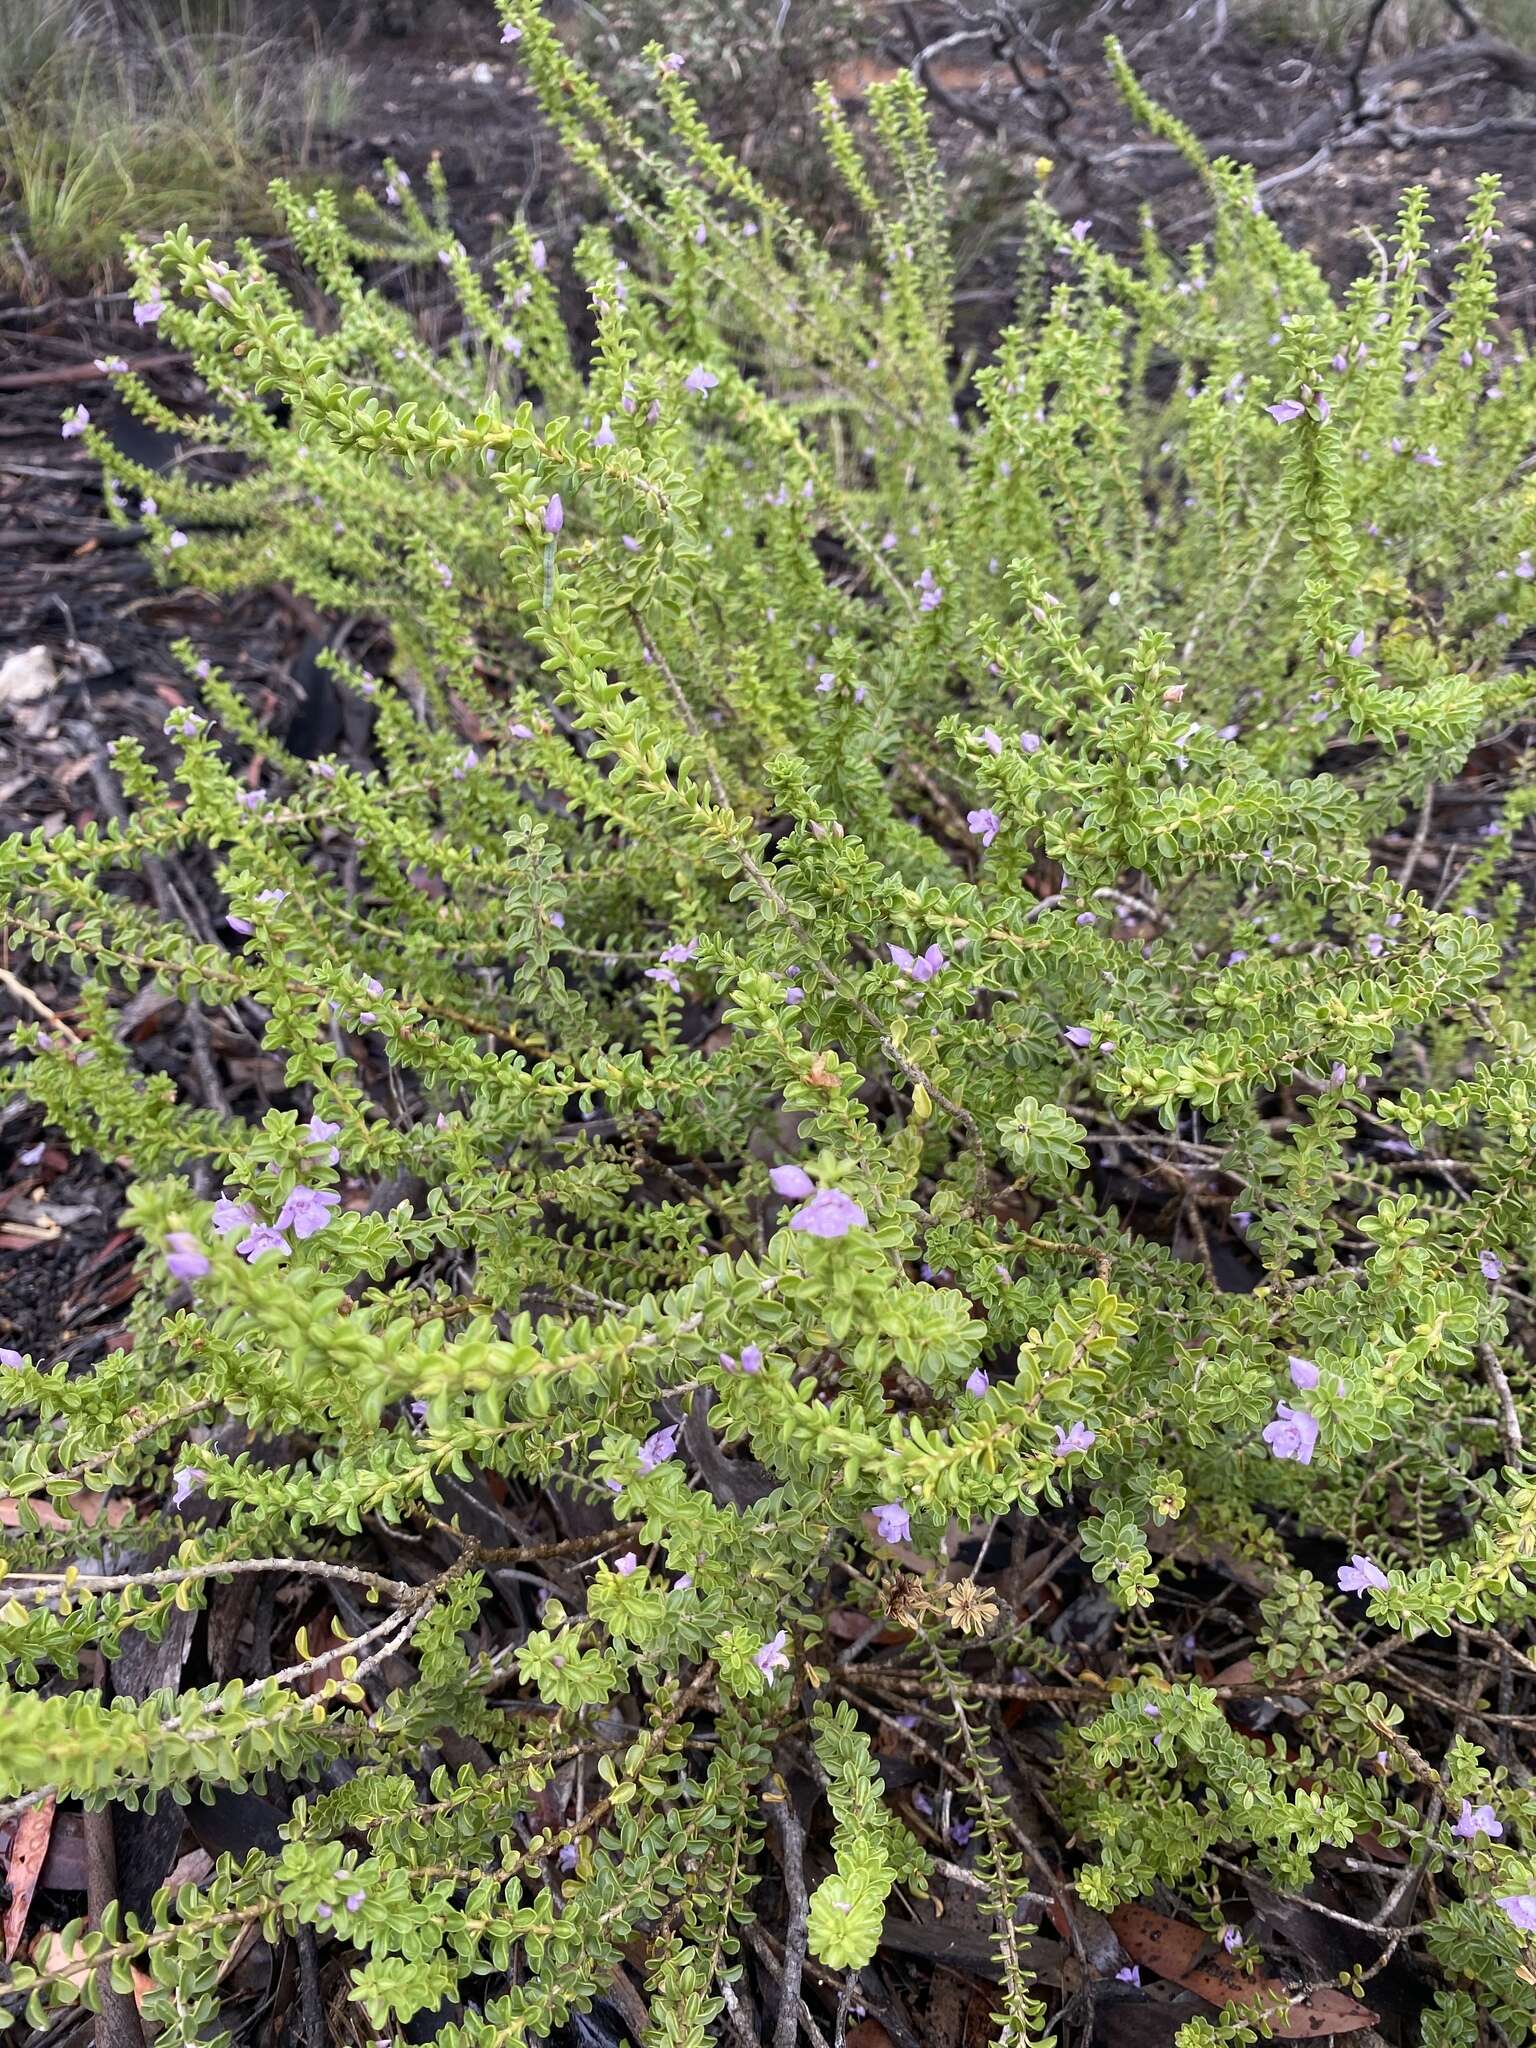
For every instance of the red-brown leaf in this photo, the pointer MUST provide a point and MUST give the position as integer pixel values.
(1183, 1954)
(27, 1852)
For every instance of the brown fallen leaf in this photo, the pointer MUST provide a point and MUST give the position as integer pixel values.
(56, 1957)
(87, 1509)
(28, 1850)
(1186, 1957)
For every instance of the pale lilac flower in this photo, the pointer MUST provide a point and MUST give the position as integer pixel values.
(1293, 1433)
(893, 1522)
(658, 1447)
(628, 540)
(569, 1856)
(185, 1258)
(76, 423)
(1029, 742)
(1078, 1035)
(604, 437)
(513, 34)
(1286, 410)
(251, 799)
(1491, 1264)
(1521, 1910)
(922, 968)
(554, 514)
(672, 63)
(1324, 409)
(984, 823)
(751, 1360)
(1085, 917)
(676, 956)
(1131, 1974)
(1473, 1821)
(1361, 1575)
(1430, 458)
(11, 1360)
(792, 1182)
(771, 1657)
(307, 1211)
(653, 412)
(518, 731)
(148, 311)
(321, 1133)
(188, 1479)
(1357, 645)
(666, 976)
(262, 1239)
(1304, 1374)
(991, 740)
(828, 1214)
(683, 1583)
(1078, 1438)
(538, 255)
(977, 1383)
(1079, 230)
(1231, 1939)
(1524, 567)
(932, 593)
(626, 1564)
(960, 1832)
(700, 380)
(32, 1155)
(219, 292)
(230, 1216)
(793, 995)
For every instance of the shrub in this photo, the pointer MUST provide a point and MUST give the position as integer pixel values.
(809, 831)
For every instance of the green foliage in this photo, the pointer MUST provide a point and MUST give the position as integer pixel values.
(791, 763)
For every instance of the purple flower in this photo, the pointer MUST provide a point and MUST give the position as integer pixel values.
(830, 1213)
(569, 1856)
(185, 1258)
(1473, 1821)
(672, 63)
(538, 255)
(628, 540)
(700, 380)
(626, 1564)
(10, 1359)
(977, 1383)
(1079, 230)
(1293, 1433)
(1362, 1575)
(793, 995)
(1521, 1910)
(76, 423)
(188, 1479)
(771, 1657)
(228, 1216)
(985, 824)
(148, 311)
(1430, 458)
(751, 1360)
(251, 799)
(1131, 1974)
(1078, 1438)
(554, 513)
(923, 968)
(960, 1832)
(263, 1239)
(1491, 1264)
(1357, 645)
(1086, 917)
(893, 1523)
(792, 1182)
(658, 1447)
(1078, 1035)
(321, 1133)
(1304, 1374)
(1029, 742)
(1231, 1939)
(513, 34)
(666, 976)
(1287, 410)
(467, 760)
(307, 1211)
(355, 1900)
(683, 1583)
(991, 740)
(676, 956)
